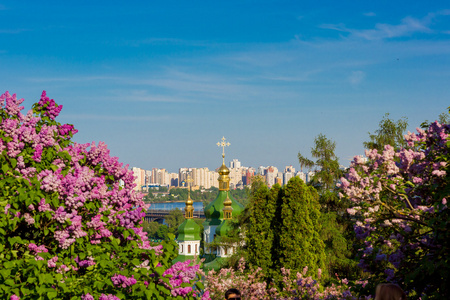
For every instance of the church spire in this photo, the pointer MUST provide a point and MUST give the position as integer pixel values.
(224, 179)
(189, 209)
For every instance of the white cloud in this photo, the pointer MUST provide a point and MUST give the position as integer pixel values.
(113, 117)
(356, 77)
(13, 31)
(369, 14)
(407, 27)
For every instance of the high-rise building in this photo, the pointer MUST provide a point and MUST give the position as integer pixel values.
(235, 164)
(310, 176)
(302, 175)
(271, 173)
(139, 178)
(289, 169)
(287, 176)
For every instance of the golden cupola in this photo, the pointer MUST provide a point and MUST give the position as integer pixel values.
(224, 172)
(189, 209)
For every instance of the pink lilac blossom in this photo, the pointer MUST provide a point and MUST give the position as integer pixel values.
(51, 109)
(123, 281)
(42, 207)
(28, 218)
(108, 297)
(51, 263)
(402, 181)
(87, 297)
(80, 175)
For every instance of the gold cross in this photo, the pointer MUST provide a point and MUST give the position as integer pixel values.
(189, 180)
(223, 144)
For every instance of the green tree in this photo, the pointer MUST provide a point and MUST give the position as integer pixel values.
(163, 232)
(260, 233)
(174, 219)
(444, 118)
(327, 164)
(390, 132)
(304, 162)
(151, 228)
(339, 239)
(298, 242)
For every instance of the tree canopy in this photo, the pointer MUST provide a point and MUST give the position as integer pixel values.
(327, 171)
(401, 212)
(390, 132)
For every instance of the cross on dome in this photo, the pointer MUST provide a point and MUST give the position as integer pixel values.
(223, 144)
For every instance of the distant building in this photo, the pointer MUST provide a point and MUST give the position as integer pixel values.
(235, 164)
(310, 176)
(302, 175)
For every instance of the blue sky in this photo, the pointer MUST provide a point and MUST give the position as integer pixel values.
(162, 81)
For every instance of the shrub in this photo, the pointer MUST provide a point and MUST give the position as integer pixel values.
(69, 218)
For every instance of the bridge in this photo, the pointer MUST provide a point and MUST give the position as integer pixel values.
(158, 215)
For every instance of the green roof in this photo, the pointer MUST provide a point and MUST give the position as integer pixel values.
(223, 228)
(214, 210)
(189, 231)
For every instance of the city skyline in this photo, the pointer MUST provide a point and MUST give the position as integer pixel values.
(161, 83)
(239, 176)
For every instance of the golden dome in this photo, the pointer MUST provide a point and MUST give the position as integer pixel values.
(223, 170)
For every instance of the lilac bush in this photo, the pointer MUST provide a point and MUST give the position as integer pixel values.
(400, 210)
(70, 221)
(251, 283)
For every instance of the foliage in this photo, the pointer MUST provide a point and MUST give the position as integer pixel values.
(338, 235)
(400, 200)
(174, 219)
(304, 162)
(444, 118)
(155, 230)
(260, 234)
(327, 173)
(390, 132)
(69, 218)
(298, 243)
(150, 228)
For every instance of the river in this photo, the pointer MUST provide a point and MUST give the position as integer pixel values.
(172, 205)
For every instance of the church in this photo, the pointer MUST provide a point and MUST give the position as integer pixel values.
(218, 214)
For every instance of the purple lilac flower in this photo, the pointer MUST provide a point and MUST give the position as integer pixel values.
(123, 281)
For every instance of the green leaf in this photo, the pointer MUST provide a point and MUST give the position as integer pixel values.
(159, 270)
(9, 282)
(200, 285)
(5, 273)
